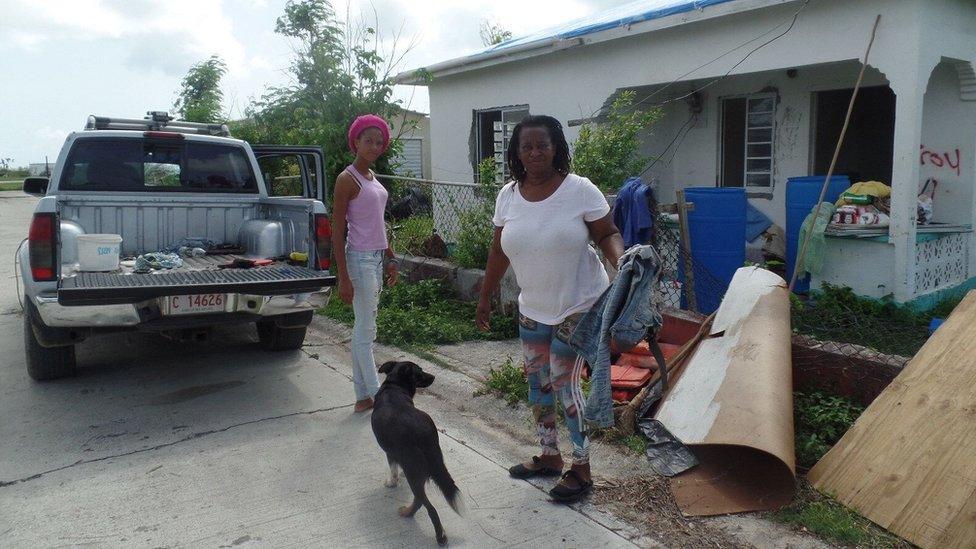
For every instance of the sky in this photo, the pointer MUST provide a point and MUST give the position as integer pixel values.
(61, 61)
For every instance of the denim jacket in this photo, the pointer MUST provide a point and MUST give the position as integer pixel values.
(624, 313)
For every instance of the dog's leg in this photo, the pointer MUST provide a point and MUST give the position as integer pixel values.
(420, 498)
(394, 474)
(407, 511)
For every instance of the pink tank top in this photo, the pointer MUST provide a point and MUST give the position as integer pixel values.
(367, 230)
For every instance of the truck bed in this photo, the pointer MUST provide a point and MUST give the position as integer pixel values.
(196, 276)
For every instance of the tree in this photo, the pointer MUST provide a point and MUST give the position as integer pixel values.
(338, 73)
(493, 33)
(200, 97)
(607, 153)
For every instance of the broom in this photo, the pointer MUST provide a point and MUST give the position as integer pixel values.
(628, 416)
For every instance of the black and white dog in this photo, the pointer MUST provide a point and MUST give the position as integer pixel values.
(409, 438)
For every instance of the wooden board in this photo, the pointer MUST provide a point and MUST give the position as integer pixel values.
(909, 462)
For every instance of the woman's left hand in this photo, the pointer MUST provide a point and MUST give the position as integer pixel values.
(392, 273)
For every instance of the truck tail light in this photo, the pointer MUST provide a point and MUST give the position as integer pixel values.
(323, 242)
(42, 247)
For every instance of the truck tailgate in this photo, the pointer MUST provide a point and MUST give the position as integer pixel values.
(111, 289)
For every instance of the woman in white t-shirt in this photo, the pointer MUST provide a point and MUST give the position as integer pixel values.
(545, 220)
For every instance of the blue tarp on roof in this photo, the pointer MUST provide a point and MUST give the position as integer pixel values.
(620, 16)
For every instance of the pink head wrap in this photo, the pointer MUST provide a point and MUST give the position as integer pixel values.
(365, 121)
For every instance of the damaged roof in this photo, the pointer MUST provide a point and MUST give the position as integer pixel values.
(631, 18)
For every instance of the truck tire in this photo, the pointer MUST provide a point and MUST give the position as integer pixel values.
(45, 363)
(276, 338)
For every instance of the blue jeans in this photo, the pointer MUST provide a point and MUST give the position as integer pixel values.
(366, 273)
(553, 368)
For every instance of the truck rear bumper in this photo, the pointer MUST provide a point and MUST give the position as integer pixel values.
(154, 312)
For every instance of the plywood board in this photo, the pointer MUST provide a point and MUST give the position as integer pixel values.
(909, 462)
(733, 404)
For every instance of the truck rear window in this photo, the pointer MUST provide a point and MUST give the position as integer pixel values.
(157, 165)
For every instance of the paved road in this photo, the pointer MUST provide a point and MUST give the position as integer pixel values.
(220, 444)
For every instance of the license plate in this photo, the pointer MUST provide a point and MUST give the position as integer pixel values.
(197, 304)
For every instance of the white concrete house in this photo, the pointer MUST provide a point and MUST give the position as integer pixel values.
(775, 115)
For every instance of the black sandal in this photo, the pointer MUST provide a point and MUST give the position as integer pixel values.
(523, 472)
(564, 494)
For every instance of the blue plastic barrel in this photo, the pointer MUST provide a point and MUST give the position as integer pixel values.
(801, 197)
(717, 227)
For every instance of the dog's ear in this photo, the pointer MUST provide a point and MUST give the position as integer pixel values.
(387, 367)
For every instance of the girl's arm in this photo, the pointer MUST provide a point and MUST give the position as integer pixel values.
(345, 190)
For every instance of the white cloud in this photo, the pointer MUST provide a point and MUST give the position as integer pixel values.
(159, 36)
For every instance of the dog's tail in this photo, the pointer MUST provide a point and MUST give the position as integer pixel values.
(442, 478)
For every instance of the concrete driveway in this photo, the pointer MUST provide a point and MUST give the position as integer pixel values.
(162, 444)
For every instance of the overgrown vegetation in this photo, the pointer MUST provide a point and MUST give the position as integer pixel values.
(508, 382)
(200, 98)
(833, 522)
(12, 186)
(837, 314)
(476, 229)
(411, 234)
(423, 314)
(635, 443)
(608, 153)
(819, 420)
(339, 71)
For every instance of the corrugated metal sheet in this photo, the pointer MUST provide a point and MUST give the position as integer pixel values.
(411, 159)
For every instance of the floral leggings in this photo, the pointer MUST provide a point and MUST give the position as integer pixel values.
(553, 368)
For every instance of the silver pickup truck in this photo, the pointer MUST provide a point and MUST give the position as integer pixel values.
(247, 223)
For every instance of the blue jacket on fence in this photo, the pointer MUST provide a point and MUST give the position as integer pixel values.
(632, 213)
(623, 313)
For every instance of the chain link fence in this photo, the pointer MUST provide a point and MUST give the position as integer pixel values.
(871, 346)
(445, 203)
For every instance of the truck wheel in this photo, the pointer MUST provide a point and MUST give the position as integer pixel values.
(276, 338)
(45, 363)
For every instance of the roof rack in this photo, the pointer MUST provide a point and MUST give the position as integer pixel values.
(156, 121)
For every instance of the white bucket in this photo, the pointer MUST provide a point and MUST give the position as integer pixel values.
(98, 252)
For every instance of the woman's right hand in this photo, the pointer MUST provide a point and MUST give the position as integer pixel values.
(345, 290)
(483, 315)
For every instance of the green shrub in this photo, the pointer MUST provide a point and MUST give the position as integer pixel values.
(508, 381)
(423, 314)
(476, 230)
(410, 235)
(608, 153)
(820, 420)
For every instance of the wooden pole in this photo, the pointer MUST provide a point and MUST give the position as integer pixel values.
(689, 286)
(833, 161)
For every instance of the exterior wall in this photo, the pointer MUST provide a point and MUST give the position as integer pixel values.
(574, 83)
(948, 148)
(696, 162)
(824, 45)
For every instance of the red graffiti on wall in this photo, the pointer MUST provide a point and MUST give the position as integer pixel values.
(941, 160)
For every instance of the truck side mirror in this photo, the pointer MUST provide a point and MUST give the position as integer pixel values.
(36, 186)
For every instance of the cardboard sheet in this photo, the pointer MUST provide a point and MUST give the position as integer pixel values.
(733, 404)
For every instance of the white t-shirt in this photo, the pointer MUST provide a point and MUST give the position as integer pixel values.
(547, 243)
